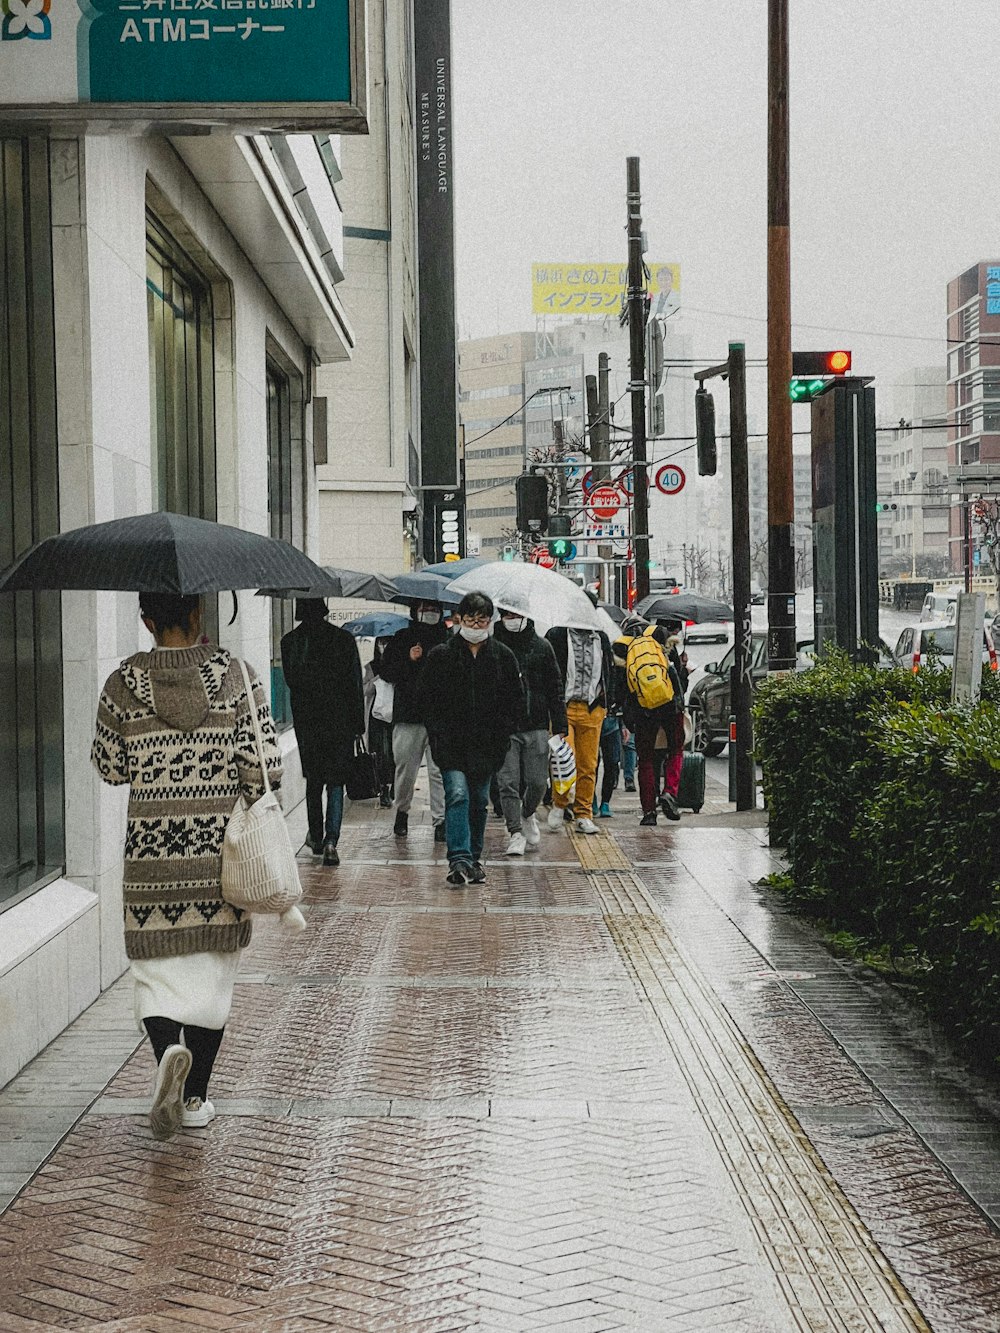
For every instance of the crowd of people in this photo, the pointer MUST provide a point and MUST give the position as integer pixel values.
(481, 700)
(476, 694)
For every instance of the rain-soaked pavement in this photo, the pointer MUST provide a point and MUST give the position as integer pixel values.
(615, 1087)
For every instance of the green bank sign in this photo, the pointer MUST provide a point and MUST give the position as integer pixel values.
(259, 64)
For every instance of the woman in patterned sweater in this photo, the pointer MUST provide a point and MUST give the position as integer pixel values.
(175, 725)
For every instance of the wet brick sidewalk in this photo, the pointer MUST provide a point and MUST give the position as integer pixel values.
(580, 1096)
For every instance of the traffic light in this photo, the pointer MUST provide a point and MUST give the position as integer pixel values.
(559, 525)
(532, 494)
(450, 539)
(704, 416)
(562, 548)
(885, 508)
(560, 545)
(811, 369)
(509, 553)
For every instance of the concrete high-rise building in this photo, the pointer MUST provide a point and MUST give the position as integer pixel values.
(973, 388)
(491, 410)
(914, 439)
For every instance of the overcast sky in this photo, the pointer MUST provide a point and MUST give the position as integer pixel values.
(895, 107)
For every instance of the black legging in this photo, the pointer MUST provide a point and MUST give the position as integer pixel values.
(203, 1043)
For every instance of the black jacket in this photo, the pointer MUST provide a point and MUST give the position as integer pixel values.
(558, 636)
(323, 673)
(471, 705)
(633, 714)
(545, 707)
(404, 675)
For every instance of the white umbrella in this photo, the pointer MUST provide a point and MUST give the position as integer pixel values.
(547, 597)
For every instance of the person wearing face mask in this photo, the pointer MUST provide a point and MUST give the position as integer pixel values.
(524, 773)
(402, 665)
(472, 701)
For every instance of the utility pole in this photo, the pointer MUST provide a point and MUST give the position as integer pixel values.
(637, 379)
(746, 784)
(780, 482)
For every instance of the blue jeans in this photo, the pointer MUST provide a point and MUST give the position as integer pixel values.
(466, 801)
(334, 810)
(629, 759)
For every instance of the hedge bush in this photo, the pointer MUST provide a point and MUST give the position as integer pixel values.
(887, 801)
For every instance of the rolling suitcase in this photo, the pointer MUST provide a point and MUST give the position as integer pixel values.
(691, 791)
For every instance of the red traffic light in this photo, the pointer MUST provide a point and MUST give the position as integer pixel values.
(837, 362)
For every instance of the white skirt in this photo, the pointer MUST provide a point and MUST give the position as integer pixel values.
(196, 988)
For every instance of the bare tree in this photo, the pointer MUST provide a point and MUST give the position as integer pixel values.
(986, 513)
(758, 560)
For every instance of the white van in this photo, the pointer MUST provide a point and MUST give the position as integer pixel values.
(941, 605)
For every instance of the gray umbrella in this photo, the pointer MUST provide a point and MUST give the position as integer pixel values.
(160, 552)
(341, 583)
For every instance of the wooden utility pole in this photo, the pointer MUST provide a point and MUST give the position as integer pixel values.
(637, 378)
(780, 482)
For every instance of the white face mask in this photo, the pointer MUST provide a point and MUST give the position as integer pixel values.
(429, 617)
(474, 635)
(515, 624)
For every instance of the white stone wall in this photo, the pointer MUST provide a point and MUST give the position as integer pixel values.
(64, 943)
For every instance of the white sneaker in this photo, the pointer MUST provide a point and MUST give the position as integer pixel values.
(197, 1114)
(517, 844)
(586, 826)
(532, 833)
(555, 819)
(168, 1093)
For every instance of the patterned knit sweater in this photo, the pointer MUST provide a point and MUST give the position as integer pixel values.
(175, 725)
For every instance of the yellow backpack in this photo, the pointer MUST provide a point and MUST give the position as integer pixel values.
(647, 672)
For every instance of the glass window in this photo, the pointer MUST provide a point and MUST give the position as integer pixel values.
(286, 507)
(181, 377)
(31, 722)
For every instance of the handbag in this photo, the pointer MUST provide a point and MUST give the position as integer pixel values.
(362, 774)
(384, 698)
(562, 765)
(259, 873)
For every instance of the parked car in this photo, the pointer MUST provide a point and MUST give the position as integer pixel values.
(940, 605)
(709, 700)
(707, 631)
(932, 644)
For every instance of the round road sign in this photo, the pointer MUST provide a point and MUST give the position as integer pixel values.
(540, 556)
(605, 502)
(670, 479)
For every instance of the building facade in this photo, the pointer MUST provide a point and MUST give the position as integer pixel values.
(491, 396)
(915, 442)
(973, 389)
(369, 473)
(164, 306)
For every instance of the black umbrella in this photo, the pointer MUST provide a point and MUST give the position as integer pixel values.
(159, 552)
(683, 606)
(341, 583)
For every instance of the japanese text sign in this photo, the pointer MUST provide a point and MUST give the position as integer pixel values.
(256, 63)
(595, 289)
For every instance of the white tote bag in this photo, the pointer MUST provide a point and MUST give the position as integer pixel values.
(384, 697)
(259, 873)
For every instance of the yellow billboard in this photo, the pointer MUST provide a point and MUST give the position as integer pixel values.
(597, 289)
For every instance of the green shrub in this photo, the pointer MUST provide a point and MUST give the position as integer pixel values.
(887, 801)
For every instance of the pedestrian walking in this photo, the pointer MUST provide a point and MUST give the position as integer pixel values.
(653, 713)
(323, 674)
(174, 725)
(585, 667)
(524, 773)
(610, 763)
(472, 702)
(402, 666)
(378, 704)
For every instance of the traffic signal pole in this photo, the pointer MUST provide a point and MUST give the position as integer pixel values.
(637, 378)
(780, 483)
(741, 692)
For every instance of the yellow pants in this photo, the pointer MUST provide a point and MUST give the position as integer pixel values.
(585, 739)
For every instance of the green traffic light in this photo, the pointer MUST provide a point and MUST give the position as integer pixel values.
(559, 548)
(802, 390)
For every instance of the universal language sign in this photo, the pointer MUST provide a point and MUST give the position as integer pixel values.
(257, 64)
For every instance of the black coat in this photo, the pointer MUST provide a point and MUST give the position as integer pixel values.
(545, 707)
(471, 705)
(403, 674)
(558, 636)
(323, 673)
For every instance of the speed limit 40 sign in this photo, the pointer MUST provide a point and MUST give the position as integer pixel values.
(670, 479)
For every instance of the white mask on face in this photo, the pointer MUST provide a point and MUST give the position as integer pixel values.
(515, 624)
(474, 635)
(429, 617)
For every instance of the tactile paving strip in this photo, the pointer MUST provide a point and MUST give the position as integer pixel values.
(831, 1271)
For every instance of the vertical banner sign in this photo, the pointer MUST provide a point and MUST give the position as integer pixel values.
(436, 245)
